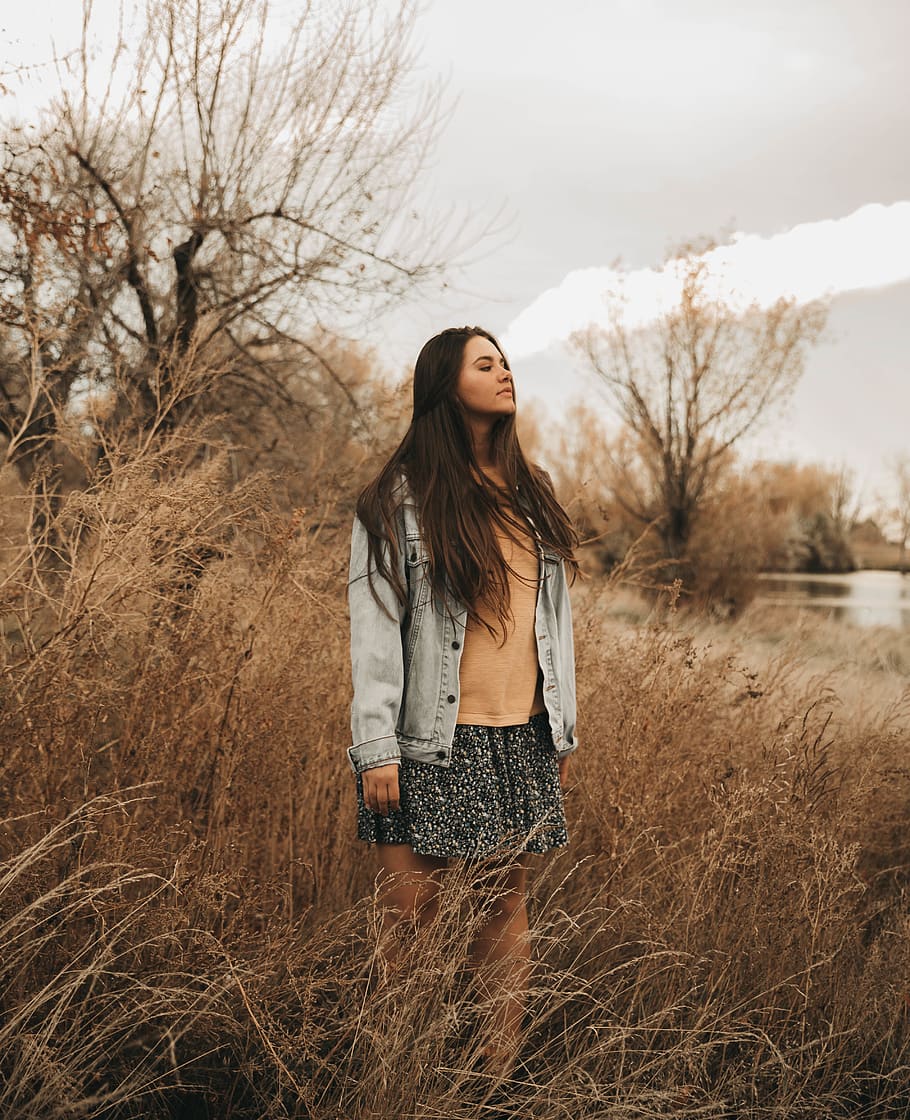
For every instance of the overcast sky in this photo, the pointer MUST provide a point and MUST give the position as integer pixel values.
(614, 130)
(609, 130)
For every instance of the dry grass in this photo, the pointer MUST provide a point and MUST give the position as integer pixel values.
(188, 923)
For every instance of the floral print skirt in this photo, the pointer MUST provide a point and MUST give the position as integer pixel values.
(500, 792)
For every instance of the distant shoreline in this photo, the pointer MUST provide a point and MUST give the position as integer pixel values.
(880, 556)
(886, 567)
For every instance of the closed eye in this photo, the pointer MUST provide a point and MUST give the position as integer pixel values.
(489, 361)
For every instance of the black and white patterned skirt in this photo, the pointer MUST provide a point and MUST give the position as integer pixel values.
(501, 791)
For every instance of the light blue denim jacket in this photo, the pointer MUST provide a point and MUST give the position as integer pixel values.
(405, 668)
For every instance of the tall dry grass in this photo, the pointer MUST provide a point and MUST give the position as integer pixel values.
(188, 923)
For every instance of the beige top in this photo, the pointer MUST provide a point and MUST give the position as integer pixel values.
(501, 685)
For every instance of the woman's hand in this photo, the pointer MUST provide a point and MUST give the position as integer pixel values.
(380, 788)
(564, 770)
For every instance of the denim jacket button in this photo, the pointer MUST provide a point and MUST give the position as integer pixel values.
(450, 698)
(440, 754)
(455, 645)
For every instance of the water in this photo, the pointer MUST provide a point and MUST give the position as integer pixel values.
(866, 598)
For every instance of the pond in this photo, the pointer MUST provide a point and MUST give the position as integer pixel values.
(865, 598)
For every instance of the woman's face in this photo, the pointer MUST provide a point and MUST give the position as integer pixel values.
(485, 382)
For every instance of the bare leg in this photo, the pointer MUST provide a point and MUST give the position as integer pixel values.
(411, 891)
(501, 955)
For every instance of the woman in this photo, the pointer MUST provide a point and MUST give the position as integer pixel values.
(463, 715)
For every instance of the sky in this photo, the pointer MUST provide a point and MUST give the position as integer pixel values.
(599, 134)
(611, 132)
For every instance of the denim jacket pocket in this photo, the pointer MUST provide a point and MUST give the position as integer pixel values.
(415, 551)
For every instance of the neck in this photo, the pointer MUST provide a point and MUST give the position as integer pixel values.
(480, 438)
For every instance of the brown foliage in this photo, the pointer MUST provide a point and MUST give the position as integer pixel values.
(751, 517)
(188, 921)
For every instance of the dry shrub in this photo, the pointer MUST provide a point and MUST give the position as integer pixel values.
(189, 923)
(736, 532)
(760, 853)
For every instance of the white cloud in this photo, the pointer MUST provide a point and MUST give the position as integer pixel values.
(869, 248)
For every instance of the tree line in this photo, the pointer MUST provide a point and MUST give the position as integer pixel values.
(185, 244)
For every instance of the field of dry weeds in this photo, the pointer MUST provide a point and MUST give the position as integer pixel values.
(187, 922)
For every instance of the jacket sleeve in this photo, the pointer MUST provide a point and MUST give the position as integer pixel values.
(567, 660)
(377, 659)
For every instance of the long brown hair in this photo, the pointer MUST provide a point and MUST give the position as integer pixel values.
(457, 504)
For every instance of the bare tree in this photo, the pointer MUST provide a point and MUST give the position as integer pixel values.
(900, 511)
(196, 219)
(846, 502)
(688, 389)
